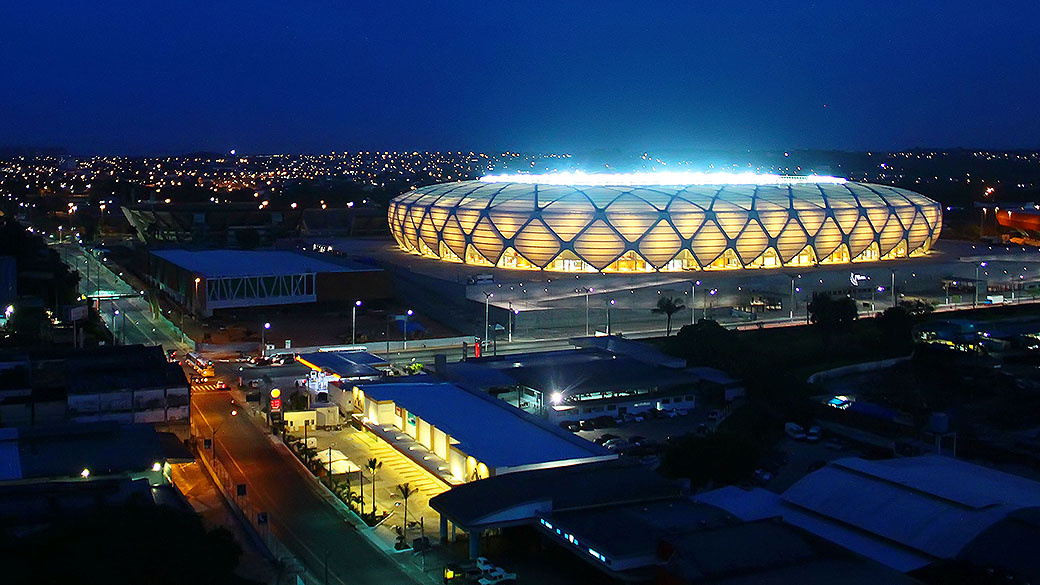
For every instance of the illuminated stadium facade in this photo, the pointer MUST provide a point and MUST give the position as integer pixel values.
(665, 222)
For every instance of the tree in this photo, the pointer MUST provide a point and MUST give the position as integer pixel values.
(830, 313)
(668, 306)
(406, 492)
(708, 344)
(373, 466)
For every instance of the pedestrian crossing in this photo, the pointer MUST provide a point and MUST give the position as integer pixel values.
(208, 387)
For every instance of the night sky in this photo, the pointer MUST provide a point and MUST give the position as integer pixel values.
(119, 77)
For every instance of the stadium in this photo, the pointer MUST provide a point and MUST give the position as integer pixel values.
(643, 222)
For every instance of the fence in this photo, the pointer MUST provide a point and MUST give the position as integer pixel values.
(236, 488)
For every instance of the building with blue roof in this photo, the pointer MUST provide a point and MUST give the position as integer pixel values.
(477, 435)
(907, 513)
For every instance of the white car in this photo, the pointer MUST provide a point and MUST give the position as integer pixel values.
(614, 444)
(484, 565)
(795, 431)
(497, 577)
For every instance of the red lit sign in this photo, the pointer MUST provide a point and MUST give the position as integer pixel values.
(276, 404)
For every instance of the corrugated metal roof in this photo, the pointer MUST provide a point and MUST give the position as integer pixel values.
(488, 429)
(243, 263)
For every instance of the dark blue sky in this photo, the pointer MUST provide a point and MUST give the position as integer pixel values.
(265, 76)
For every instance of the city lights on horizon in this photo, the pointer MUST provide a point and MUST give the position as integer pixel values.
(659, 178)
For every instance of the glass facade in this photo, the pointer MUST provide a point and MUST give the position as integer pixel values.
(663, 228)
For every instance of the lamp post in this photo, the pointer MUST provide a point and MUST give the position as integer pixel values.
(793, 298)
(353, 322)
(587, 290)
(195, 299)
(712, 294)
(487, 312)
(609, 305)
(512, 312)
(263, 339)
(407, 314)
(977, 266)
(693, 303)
(893, 286)
(879, 289)
(331, 445)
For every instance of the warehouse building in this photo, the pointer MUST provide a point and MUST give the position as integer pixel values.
(205, 281)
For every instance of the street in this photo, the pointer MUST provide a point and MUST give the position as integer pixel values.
(125, 311)
(298, 514)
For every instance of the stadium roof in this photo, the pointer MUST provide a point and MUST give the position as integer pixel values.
(246, 263)
(488, 429)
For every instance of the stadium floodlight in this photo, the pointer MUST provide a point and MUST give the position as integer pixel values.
(662, 178)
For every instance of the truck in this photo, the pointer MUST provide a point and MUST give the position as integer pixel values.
(329, 418)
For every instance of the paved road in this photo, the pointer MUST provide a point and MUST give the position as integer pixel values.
(129, 318)
(299, 516)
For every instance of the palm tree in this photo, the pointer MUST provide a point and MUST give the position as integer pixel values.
(668, 306)
(406, 492)
(373, 466)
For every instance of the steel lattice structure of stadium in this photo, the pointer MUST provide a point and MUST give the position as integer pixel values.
(576, 223)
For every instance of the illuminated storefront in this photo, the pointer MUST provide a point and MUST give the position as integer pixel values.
(636, 223)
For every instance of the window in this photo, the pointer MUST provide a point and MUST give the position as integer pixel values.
(666, 401)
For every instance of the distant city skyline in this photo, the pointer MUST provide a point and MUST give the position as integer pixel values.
(126, 79)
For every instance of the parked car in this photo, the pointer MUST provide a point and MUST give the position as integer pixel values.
(701, 430)
(813, 434)
(631, 417)
(681, 412)
(570, 426)
(637, 439)
(715, 414)
(484, 564)
(762, 476)
(497, 578)
(667, 413)
(795, 431)
(586, 425)
(615, 444)
(604, 438)
(604, 422)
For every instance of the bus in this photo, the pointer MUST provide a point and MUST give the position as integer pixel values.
(202, 365)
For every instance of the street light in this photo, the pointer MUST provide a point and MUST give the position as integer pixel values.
(693, 303)
(879, 289)
(331, 445)
(609, 305)
(263, 340)
(587, 291)
(487, 311)
(512, 313)
(979, 265)
(195, 299)
(353, 322)
(407, 314)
